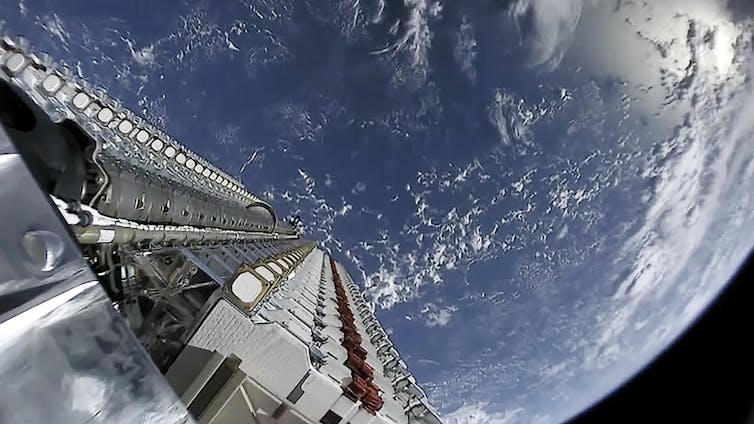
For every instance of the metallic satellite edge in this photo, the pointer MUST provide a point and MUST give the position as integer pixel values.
(140, 283)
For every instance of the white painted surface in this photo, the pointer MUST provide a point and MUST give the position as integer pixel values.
(333, 332)
(342, 406)
(298, 310)
(52, 83)
(81, 100)
(310, 297)
(336, 349)
(16, 62)
(261, 399)
(330, 310)
(291, 323)
(320, 393)
(276, 354)
(269, 354)
(265, 273)
(332, 321)
(125, 125)
(336, 371)
(157, 144)
(393, 410)
(105, 115)
(246, 287)
(142, 136)
(291, 416)
(275, 267)
(363, 417)
(308, 305)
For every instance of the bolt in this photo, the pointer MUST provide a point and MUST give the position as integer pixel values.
(43, 249)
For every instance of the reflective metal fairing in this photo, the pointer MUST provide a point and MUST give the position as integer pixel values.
(67, 356)
(72, 359)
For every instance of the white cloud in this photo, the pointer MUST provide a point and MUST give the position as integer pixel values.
(415, 38)
(144, 56)
(700, 174)
(256, 156)
(231, 46)
(464, 51)
(359, 187)
(380, 9)
(435, 9)
(512, 118)
(478, 413)
(554, 22)
(154, 110)
(437, 316)
(344, 210)
(319, 213)
(53, 25)
(442, 241)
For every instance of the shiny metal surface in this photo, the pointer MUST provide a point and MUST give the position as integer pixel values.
(71, 359)
(28, 220)
(142, 174)
(67, 356)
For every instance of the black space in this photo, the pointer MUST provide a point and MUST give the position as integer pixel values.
(707, 376)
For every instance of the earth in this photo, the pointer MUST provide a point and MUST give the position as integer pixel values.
(537, 196)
